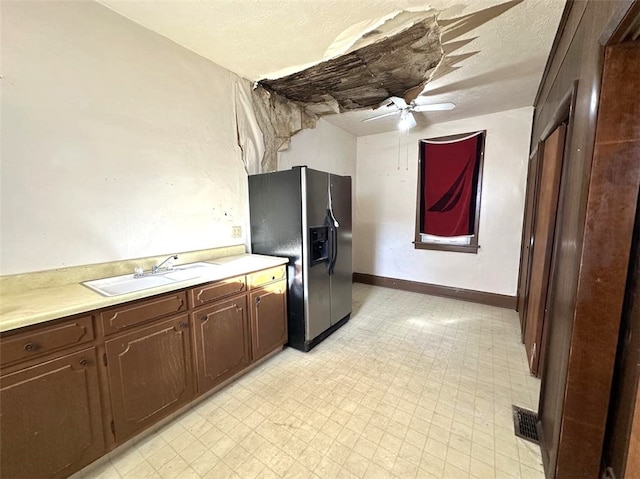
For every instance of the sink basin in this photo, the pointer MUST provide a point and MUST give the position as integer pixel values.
(190, 271)
(127, 283)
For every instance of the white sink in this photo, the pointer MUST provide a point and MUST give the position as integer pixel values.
(127, 283)
(190, 271)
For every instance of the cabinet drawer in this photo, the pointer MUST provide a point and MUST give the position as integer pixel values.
(122, 317)
(46, 339)
(214, 291)
(261, 278)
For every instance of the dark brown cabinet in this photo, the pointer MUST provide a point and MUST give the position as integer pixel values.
(268, 318)
(221, 341)
(149, 373)
(74, 388)
(50, 417)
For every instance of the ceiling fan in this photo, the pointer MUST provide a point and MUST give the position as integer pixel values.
(407, 120)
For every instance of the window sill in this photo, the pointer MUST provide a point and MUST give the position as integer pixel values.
(456, 248)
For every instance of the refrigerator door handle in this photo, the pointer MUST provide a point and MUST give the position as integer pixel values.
(334, 250)
(333, 227)
(332, 218)
(333, 243)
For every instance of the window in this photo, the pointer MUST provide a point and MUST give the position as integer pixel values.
(449, 187)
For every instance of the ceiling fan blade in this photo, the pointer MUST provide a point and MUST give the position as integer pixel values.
(381, 116)
(434, 107)
(399, 102)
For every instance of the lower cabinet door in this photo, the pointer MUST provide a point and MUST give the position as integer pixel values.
(222, 341)
(50, 418)
(268, 318)
(150, 374)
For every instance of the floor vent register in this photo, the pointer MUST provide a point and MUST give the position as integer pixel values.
(524, 423)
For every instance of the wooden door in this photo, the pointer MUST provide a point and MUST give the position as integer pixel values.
(545, 221)
(222, 341)
(150, 374)
(533, 180)
(621, 452)
(268, 318)
(633, 453)
(51, 421)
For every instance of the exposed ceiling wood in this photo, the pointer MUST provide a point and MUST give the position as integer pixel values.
(368, 76)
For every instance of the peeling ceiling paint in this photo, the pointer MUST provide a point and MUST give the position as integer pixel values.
(497, 65)
(367, 76)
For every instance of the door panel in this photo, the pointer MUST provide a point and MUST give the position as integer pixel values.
(268, 319)
(149, 374)
(533, 181)
(341, 279)
(222, 341)
(55, 426)
(545, 221)
(316, 284)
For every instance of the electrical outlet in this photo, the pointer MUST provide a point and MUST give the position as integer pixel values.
(236, 231)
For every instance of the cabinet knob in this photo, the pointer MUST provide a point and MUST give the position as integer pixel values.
(203, 318)
(83, 362)
(183, 324)
(272, 278)
(29, 347)
(257, 300)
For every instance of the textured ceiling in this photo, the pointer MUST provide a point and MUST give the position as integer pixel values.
(499, 61)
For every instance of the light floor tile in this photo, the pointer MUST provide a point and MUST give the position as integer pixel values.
(173, 468)
(127, 460)
(142, 470)
(357, 464)
(411, 386)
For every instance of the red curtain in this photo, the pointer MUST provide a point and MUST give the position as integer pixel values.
(448, 170)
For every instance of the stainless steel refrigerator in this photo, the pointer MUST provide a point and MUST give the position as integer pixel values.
(305, 215)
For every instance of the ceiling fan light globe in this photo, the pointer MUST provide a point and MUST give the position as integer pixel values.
(407, 121)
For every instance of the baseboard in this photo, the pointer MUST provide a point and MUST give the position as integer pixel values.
(481, 297)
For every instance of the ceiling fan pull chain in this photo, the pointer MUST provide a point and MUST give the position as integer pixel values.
(403, 146)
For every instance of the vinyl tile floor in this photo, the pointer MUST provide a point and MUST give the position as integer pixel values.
(412, 386)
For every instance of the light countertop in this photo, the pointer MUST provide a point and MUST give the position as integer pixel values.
(24, 306)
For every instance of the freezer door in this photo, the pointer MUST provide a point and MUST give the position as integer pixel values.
(341, 279)
(276, 229)
(317, 290)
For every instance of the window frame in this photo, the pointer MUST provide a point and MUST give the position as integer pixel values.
(473, 246)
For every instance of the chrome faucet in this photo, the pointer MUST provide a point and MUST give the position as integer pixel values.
(155, 269)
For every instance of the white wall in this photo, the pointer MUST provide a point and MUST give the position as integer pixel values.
(325, 148)
(386, 202)
(116, 142)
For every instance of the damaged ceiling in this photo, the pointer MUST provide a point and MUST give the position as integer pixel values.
(366, 77)
(332, 55)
